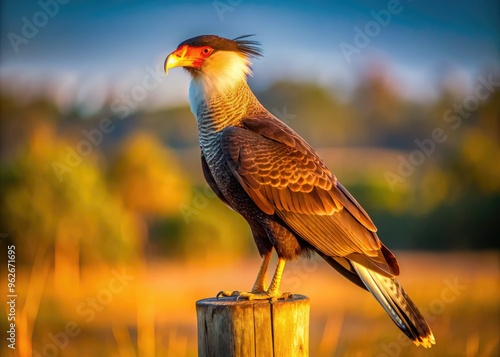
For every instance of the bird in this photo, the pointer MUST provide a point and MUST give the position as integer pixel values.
(261, 168)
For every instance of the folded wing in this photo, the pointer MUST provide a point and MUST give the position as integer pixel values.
(284, 176)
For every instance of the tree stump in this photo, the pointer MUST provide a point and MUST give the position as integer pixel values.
(241, 328)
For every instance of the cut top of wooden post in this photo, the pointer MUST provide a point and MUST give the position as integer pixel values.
(243, 328)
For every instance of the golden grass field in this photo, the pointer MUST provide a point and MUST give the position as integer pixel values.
(149, 309)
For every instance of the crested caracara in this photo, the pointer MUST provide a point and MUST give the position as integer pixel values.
(262, 169)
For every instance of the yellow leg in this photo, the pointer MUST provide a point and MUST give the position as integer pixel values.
(260, 285)
(274, 288)
(258, 292)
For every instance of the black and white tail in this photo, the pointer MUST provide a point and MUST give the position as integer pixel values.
(391, 295)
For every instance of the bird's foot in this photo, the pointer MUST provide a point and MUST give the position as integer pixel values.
(258, 295)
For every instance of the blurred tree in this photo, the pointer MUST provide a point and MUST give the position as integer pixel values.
(175, 126)
(150, 182)
(18, 120)
(75, 216)
(147, 177)
(386, 117)
(214, 233)
(315, 113)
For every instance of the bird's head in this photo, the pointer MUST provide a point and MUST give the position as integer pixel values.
(215, 61)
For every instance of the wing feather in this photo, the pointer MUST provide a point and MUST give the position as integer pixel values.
(284, 176)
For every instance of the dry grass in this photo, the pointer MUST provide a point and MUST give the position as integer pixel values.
(152, 310)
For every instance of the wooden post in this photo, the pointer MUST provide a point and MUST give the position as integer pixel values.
(242, 328)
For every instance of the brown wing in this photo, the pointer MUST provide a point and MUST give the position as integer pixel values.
(284, 176)
(280, 132)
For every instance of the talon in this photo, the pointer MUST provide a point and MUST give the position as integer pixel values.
(224, 293)
(227, 293)
(254, 295)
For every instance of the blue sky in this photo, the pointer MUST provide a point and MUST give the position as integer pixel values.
(98, 45)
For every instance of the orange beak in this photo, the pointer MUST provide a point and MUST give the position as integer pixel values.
(184, 56)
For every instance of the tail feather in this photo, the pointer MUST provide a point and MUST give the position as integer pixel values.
(391, 295)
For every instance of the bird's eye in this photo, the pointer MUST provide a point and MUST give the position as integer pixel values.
(206, 51)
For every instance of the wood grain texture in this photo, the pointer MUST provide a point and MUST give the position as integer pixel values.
(243, 328)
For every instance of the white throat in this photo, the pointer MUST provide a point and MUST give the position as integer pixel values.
(221, 73)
